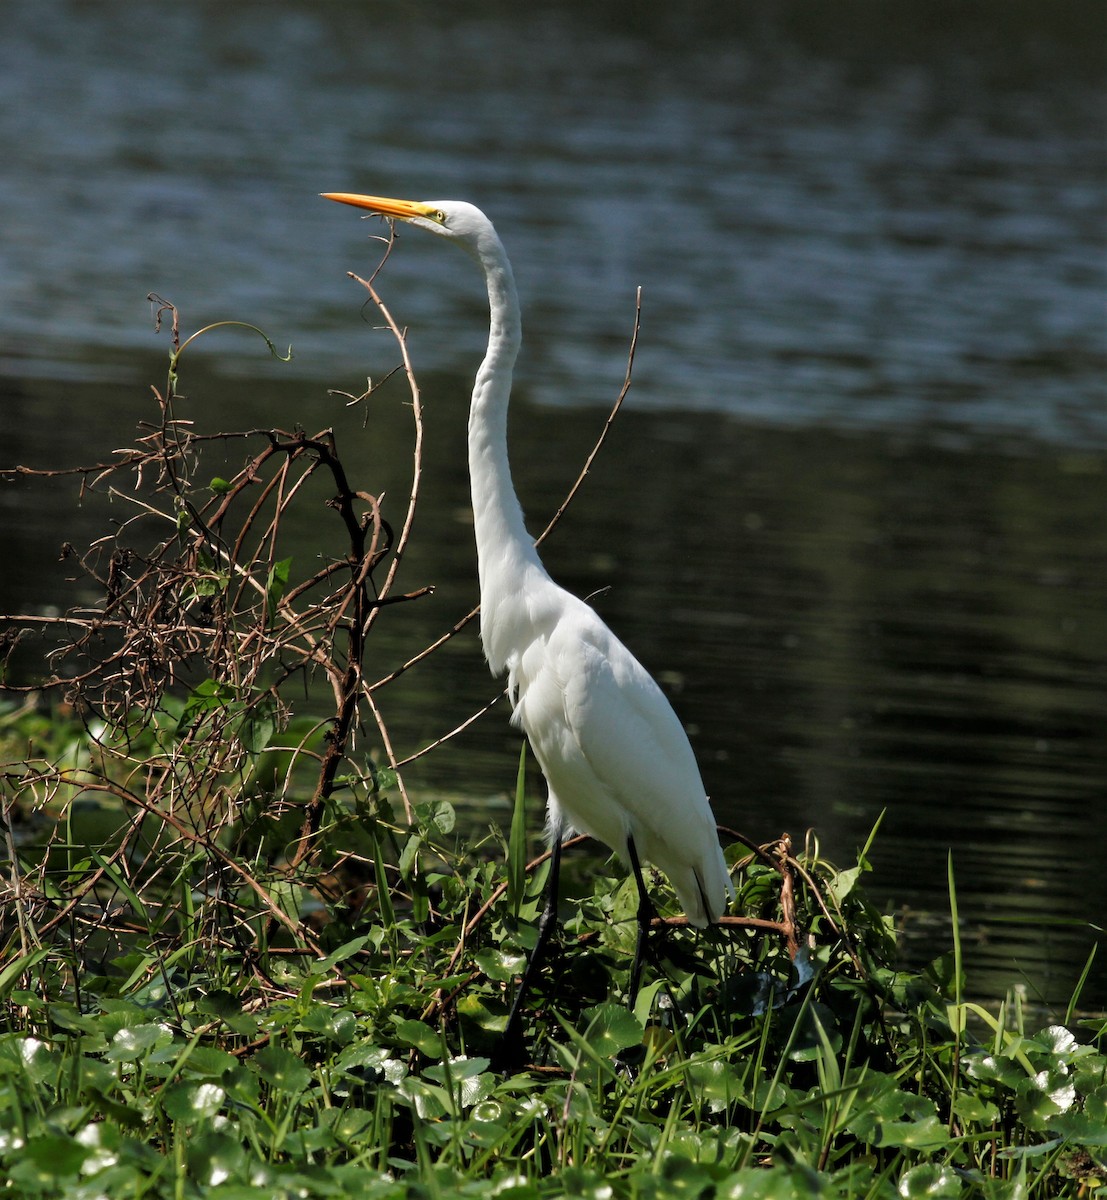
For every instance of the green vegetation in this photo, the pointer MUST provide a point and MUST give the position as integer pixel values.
(166, 1035)
(240, 960)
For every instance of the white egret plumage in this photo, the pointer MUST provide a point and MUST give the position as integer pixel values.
(617, 762)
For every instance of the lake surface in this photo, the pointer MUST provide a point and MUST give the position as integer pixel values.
(853, 515)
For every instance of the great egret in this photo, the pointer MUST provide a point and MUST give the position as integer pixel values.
(617, 762)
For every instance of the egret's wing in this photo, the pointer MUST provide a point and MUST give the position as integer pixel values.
(609, 742)
(631, 737)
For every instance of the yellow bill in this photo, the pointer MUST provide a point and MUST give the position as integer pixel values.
(404, 209)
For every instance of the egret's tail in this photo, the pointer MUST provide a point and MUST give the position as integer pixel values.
(703, 889)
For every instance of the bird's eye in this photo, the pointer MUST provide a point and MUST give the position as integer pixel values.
(440, 216)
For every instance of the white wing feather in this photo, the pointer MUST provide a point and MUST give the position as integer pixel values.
(613, 752)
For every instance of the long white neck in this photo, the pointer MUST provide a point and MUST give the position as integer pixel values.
(505, 551)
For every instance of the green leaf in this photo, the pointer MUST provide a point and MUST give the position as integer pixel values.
(282, 1070)
(135, 1041)
(612, 1028)
(276, 585)
(338, 1025)
(517, 842)
(53, 1157)
(817, 1036)
(926, 1134)
(409, 856)
(466, 1077)
(12, 973)
(717, 1082)
(349, 1124)
(426, 1040)
(643, 1004)
(258, 725)
(843, 883)
(443, 816)
(117, 879)
(972, 1109)
(461, 1067)
(929, 1181)
(191, 1102)
(364, 1054)
(1044, 1097)
(384, 778)
(345, 951)
(428, 1100)
(206, 696)
(501, 966)
(991, 1068)
(217, 1158)
(1058, 1040)
(473, 1009)
(209, 1062)
(1082, 1128)
(384, 896)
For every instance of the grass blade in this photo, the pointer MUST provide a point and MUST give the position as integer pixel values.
(517, 842)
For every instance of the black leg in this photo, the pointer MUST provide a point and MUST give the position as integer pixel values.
(646, 914)
(511, 1050)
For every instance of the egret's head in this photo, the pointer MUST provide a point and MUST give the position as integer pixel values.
(454, 219)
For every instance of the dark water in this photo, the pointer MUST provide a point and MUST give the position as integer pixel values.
(854, 516)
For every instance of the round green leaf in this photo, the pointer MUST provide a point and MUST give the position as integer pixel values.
(929, 1181)
(215, 1158)
(54, 1156)
(612, 1028)
(192, 1102)
(134, 1041)
(282, 1070)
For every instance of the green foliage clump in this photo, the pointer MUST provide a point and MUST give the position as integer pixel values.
(171, 1054)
